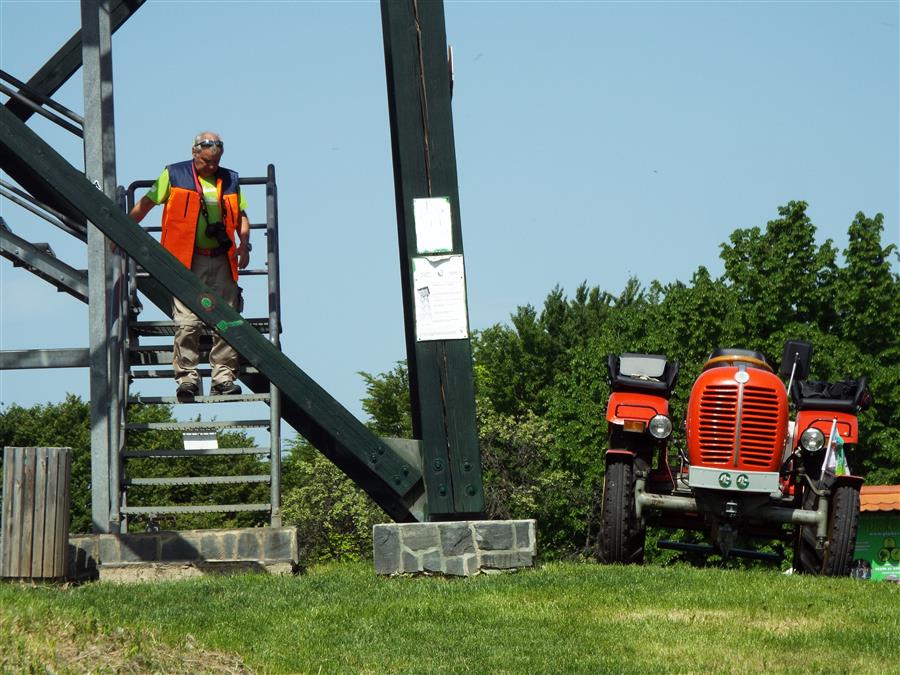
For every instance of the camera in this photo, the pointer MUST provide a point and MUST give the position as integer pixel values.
(217, 232)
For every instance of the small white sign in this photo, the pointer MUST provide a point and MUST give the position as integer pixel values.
(200, 440)
(434, 225)
(439, 285)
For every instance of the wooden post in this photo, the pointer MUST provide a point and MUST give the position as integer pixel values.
(35, 512)
(441, 380)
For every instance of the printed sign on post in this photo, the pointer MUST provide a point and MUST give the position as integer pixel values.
(439, 286)
(434, 225)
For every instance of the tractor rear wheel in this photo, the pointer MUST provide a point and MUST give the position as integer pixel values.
(843, 519)
(621, 536)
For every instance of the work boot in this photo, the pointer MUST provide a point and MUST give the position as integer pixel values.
(186, 392)
(225, 389)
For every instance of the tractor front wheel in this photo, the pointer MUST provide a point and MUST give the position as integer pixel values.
(843, 519)
(621, 536)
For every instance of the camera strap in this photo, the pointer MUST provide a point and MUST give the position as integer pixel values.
(199, 187)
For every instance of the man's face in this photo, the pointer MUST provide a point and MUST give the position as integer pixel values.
(206, 160)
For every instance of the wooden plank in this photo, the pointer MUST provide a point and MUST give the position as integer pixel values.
(462, 431)
(52, 526)
(39, 545)
(27, 489)
(18, 512)
(6, 515)
(62, 462)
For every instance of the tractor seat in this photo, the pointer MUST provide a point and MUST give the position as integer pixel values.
(730, 357)
(844, 396)
(646, 373)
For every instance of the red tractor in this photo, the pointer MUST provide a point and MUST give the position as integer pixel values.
(748, 471)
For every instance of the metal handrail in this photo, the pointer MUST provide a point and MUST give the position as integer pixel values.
(26, 201)
(35, 95)
(24, 100)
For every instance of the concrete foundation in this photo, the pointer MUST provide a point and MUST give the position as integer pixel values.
(459, 548)
(150, 555)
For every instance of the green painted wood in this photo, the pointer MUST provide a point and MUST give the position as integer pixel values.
(68, 59)
(391, 482)
(441, 381)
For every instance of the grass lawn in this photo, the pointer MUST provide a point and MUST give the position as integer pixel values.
(561, 617)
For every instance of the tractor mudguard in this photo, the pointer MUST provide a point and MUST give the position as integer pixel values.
(856, 482)
(620, 453)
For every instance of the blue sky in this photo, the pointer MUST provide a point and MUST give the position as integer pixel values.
(595, 141)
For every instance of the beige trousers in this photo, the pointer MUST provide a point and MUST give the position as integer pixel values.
(215, 273)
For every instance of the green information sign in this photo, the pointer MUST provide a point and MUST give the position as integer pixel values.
(877, 554)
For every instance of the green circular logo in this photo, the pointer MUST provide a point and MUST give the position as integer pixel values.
(742, 481)
(206, 302)
(725, 480)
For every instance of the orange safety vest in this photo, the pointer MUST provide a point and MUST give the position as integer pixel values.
(182, 209)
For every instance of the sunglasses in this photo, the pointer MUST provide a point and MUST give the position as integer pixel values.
(209, 144)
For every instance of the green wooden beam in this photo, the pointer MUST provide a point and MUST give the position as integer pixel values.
(393, 483)
(67, 60)
(441, 380)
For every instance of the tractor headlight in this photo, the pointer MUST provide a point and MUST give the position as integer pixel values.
(812, 440)
(660, 426)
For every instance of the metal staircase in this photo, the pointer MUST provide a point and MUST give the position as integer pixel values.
(150, 346)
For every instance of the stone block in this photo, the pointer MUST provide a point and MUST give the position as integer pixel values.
(248, 547)
(109, 548)
(386, 544)
(420, 536)
(461, 565)
(504, 560)
(493, 536)
(229, 545)
(456, 539)
(410, 563)
(433, 561)
(179, 546)
(279, 544)
(525, 535)
(212, 546)
(84, 556)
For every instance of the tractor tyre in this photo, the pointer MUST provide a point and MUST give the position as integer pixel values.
(843, 519)
(621, 536)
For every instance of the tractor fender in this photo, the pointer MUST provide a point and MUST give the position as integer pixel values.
(620, 454)
(856, 482)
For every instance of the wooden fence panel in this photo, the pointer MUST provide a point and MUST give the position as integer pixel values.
(35, 512)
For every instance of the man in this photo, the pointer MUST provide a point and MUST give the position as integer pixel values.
(204, 209)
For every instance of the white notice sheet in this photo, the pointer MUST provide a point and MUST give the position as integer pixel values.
(439, 284)
(434, 225)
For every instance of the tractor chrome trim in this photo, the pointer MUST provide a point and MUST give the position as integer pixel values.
(742, 368)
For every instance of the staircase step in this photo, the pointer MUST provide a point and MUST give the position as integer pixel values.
(168, 373)
(196, 452)
(197, 426)
(205, 508)
(170, 400)
(167, 328)
(198, 480)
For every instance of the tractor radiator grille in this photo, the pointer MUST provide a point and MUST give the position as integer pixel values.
(719, 423)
